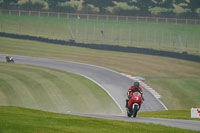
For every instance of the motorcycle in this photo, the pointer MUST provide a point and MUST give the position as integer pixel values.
(134, 104)
(9, 59)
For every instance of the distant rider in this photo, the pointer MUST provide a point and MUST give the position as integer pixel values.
(134, 88)
(8, 58)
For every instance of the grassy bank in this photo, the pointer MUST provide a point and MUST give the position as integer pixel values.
(52, 90)
(176, 92)
(165, 36)
(21, 120)
(169, 114)
(177, 81)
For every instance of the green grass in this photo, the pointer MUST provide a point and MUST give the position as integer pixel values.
(177, 81)
(178, 91)
(21, 120)
(173, 37)
(169, 114)
(52, 90)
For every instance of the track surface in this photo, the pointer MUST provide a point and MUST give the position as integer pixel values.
(114, 83)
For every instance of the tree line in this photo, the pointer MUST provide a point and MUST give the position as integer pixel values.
(164, 8)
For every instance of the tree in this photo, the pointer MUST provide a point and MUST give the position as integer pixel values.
(29, 5)
(6, 4)
(101, 4)
(53, 4)
(165, 4)
(193, 5)
(143, 5)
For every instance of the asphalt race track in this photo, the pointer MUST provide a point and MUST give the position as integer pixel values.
(115, 84)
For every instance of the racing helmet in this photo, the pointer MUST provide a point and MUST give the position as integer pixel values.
(136, 85)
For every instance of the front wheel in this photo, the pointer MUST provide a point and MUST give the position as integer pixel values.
(135, 110)
(129, 112)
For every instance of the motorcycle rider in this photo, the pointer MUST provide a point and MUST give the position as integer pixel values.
(9, 58)
(134, 88)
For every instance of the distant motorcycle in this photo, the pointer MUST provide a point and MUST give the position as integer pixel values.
(135, 100)
(9, 59)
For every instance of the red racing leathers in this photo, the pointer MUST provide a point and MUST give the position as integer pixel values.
(129, 94)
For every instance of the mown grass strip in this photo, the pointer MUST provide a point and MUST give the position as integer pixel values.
(52, 90)
(21, 120)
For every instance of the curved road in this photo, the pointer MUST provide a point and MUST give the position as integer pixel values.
(114, 83)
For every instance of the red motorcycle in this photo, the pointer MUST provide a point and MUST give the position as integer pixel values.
(9, 59)
(134, 104)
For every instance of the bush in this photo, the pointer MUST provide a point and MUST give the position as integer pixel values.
(32, 6)
(120, 11)
(89, 8)
(66, 8)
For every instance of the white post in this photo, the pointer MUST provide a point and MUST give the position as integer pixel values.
(85, 33)
(1, 27)
(58, 15)
(94, 30)
(103, 33)
(155, 41)
(9, 12)
(36, 30)
(199, 46)
(29, 13)
(19, 28)
(19, 13)
(145, 40)
(39, 13)
(186, 39)
(111, 34)
(76, 33)
(162, 40)
(130, 34)
(119, 35)
(169, 39)
(136, 42)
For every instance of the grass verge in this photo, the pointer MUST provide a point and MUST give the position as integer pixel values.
(21, 120)
(169, 114)
(52, 90)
